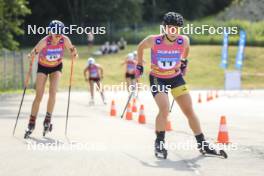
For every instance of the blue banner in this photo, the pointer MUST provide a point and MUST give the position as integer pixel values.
(225, 51)
(240, 52)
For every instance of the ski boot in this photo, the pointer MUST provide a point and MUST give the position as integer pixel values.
(206, 148)
(47, 125)
(160, 151)
(91, 102)
(29, 130)
(31, 127)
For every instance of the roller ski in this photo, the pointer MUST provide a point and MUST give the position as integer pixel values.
(208, 150)
(47, 125)
(160, 151)
(31, 127)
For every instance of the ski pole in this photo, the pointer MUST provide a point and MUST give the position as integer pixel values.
(172, 105)
(69, 97)
(129, 98)
(24, 92)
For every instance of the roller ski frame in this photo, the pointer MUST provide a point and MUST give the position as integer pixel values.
(28, 133)
(161, 153)
(206, 151)
(220, 153)
(47, 128)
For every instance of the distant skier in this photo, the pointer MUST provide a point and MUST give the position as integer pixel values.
(94, 73)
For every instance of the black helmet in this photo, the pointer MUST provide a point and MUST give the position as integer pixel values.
(173, 18)
(56, 27)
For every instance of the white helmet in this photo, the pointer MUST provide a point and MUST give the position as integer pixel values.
(135, 53)
(90, 61)
(130, 56)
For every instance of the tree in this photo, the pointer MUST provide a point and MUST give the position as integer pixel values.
(11, 19)
(190, 9)
(100, 11)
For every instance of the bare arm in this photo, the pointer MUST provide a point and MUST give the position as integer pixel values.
(41, 44)
(70, 47)
(187, 47)
(124, 62)
(144, 44)
(184, 61)
(101, 72)
(85, 71)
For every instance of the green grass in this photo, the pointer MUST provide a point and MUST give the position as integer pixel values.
(203, 73)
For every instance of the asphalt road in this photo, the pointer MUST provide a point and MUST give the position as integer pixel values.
(100, 145)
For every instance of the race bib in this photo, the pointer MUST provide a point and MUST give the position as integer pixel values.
(53, 54)
(167, 61)
(52, 57)
(94, 74)
(130, 67)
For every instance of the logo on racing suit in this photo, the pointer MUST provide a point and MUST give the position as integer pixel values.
(158, 41)
(180, 41)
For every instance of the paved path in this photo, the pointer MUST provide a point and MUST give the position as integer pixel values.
(99, 145)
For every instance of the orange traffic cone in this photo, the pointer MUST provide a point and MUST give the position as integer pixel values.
(128, 112)
(113, 109)
(223, 133)
(134, 106)
(168, 126)
(141, 117)
(211, 95)
(199, 98)
(207, 96)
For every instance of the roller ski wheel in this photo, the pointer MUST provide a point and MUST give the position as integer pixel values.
(161, 153)
(27, 134)
(47, 128)
(29, 130)
(213, 152)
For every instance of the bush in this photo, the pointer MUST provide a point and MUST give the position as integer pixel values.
(255, 32)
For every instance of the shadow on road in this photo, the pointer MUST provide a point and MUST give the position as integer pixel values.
(189, 165)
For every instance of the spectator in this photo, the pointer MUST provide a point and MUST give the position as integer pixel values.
(122, 43)
(90, 39)
(114, 48)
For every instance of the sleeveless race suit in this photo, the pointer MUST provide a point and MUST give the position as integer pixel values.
(94, 72)
(50, 58)
(165, 66)
(131, 69)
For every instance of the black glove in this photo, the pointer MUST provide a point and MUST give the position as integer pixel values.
(184, 63)
(140, 69)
